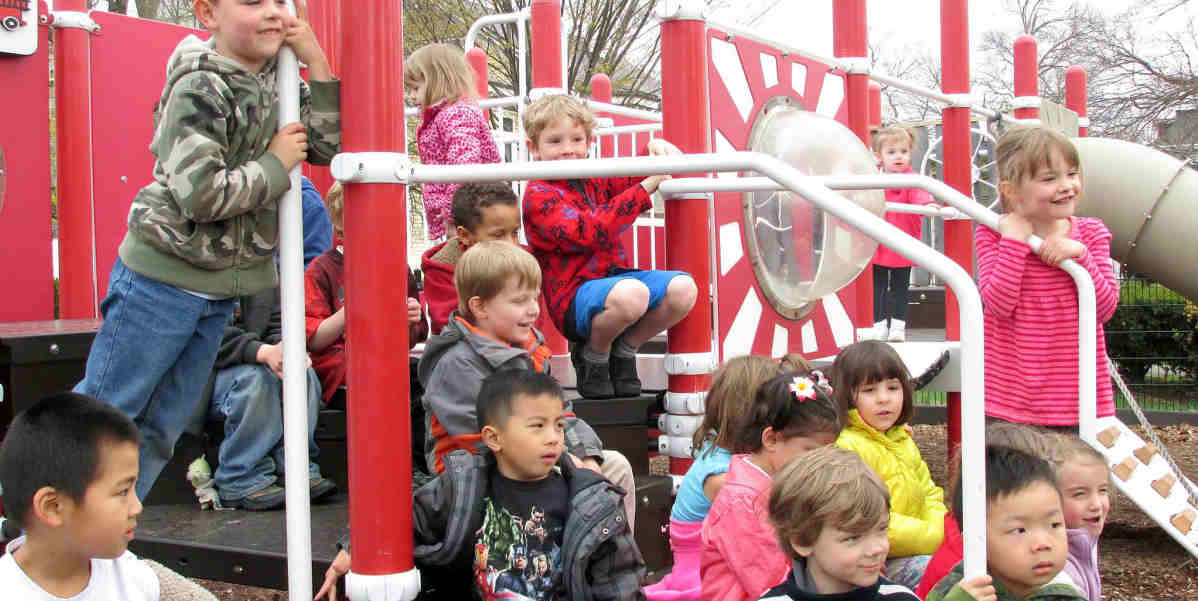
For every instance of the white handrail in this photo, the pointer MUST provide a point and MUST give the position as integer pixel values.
(518, 16)
(383, 166)
(616, 109)
(295, 390)
(486, 103)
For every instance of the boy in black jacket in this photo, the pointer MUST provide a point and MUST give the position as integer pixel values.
(247, 393)
(476, 524)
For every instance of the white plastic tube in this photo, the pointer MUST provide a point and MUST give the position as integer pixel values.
(295, 388)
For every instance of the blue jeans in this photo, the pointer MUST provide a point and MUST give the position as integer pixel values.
(151, 359)
(249, 398)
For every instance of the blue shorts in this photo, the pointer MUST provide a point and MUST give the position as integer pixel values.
(591, 297)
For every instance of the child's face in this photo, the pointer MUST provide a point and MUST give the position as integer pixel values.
(880, 403)
(529, 442)
(247, 32)
(1025, 538)
(499, 222)
(564, 138)
(102, 522)
(1086, 494)
(1048, 194)
(790, 447)
(414, 91)
(841, 561)
(510, 315)
(895, 155)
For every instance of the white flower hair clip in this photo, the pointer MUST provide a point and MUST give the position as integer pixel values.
(803, 388)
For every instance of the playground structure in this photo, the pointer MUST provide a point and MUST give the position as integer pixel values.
(715, 128)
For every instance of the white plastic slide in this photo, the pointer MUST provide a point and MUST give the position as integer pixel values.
(1146, 198)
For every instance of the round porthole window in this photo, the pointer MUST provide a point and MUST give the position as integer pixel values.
(799, 253)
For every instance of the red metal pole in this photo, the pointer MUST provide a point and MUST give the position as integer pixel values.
(1075, 97)
(875, 107)
(958, 235)
(850, 41)
(376, 282)
(546, 17)
(478, 60)
(601, 92)
(78, 297)
(686, 123)
(1027, 80)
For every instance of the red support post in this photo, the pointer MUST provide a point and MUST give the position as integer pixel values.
(601, 92)
(875, 108)
(546, 17)
(686, 123)
(1075, 97)
(78, 297)
(850, 41)
(1027, 79)
(477, 57)
(376, 282)
(958, 235)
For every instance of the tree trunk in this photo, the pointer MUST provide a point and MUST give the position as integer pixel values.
(146, 9)
(119, 7)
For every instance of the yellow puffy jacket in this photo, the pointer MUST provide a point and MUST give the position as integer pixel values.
(916, 503)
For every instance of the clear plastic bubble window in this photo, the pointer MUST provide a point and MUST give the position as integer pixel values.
(799, 252)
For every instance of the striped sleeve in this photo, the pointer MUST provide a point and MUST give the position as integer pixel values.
(1001, 262)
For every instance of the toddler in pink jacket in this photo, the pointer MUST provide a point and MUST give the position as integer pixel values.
(453, 130)
(791, 414)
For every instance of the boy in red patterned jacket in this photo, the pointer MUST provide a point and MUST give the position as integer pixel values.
(573, 228)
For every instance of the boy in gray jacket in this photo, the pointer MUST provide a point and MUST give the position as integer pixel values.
(206, 229)
(498, 287)
(488, 513)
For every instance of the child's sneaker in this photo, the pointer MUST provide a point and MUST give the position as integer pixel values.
(898, 331)
(591, 378)
(624, 380)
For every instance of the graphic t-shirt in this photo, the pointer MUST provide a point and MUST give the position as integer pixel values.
(517, 552)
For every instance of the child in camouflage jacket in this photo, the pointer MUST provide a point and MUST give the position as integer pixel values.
(205, 230)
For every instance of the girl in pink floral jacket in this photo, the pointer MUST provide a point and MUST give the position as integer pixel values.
(742, 557)
(453, 130)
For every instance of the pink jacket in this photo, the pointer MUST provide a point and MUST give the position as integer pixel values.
(451, 134)
(741, 557)
(1031, 326)
(908, 222)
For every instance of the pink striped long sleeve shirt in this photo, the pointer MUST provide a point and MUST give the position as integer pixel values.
(1031, 326)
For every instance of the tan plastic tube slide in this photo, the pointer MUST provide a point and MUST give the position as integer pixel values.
(1148, 200)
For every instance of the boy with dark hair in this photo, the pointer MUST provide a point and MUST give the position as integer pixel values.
(68, 467)
(482, 501)
(573, 228)
(1026, 544)
(480, 212)
(831, 513)
(206, 229)
(498, 285)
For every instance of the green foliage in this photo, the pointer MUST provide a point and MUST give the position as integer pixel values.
(1153, 326)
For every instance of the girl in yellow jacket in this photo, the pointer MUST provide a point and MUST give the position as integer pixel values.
(871, 382)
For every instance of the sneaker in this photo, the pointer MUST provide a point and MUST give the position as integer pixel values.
(591, 378)
(271, 497)
(320, 487)
(898, 331)
(625, 383)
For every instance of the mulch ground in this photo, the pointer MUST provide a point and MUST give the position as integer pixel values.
(1138, 560)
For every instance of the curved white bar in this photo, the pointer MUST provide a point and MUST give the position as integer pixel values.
(512, 17)
(615, 109)
(295, 388)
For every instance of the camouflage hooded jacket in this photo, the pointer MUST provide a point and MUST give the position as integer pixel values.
(209, 220)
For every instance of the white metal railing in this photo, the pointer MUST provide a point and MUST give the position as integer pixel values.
(394, 167)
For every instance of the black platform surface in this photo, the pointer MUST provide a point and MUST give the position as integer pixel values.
(243, 547)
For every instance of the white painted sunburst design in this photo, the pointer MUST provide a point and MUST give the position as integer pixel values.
(744, 75)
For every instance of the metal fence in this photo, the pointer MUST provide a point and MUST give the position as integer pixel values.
(1151, 340)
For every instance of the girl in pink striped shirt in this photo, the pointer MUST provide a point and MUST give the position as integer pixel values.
(1030, 303)
(453, 130)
